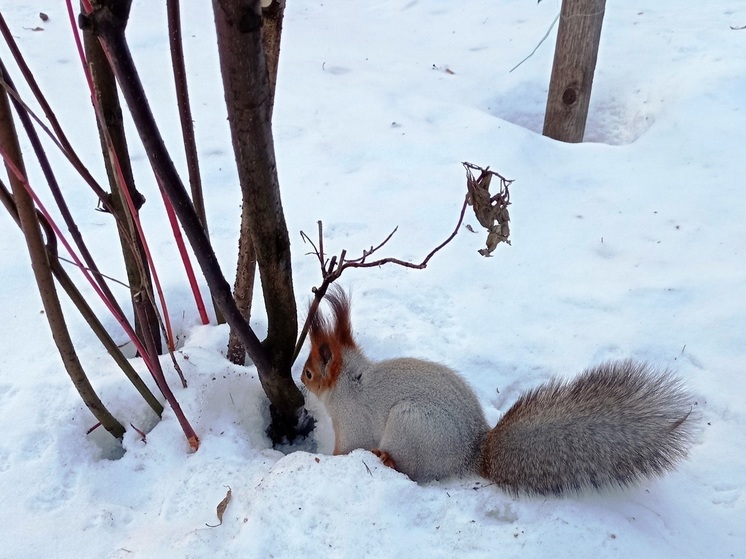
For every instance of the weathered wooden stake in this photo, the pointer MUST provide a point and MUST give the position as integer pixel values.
(572, 73)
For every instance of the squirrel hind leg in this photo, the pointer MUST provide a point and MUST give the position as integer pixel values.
(385, 458)
(424, 446)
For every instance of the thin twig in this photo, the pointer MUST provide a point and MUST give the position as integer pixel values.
(421, 265)
(95, 272)
(190, 149)
(538, 45)
(505, 182)
(333, 271)
(160, 379)
(185, 111)
(49, 113)
(308, 240)
(371, 250)
(321, 242)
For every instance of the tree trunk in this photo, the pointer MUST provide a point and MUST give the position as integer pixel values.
(43, 275)
(248, 96)
(272, 17)
(243, 289)
(288, 414)
(138, 276)
(574, 65)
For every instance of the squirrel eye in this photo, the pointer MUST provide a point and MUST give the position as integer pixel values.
(307, 373)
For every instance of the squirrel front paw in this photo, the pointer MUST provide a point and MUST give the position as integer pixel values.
(385, 458)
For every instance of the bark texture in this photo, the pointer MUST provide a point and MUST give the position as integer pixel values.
(138, 276)
(243, 289)
(575, 56)
(248, 99)
(272, 358)
(271, 34)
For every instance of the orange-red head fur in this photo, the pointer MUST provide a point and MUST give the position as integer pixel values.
(328, 339)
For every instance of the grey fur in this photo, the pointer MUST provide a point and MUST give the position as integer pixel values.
(613, 425)
(423, 414)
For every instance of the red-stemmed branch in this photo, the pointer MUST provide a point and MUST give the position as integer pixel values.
(58, 136)
(190, 149)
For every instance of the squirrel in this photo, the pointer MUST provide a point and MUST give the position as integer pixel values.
(613, 425)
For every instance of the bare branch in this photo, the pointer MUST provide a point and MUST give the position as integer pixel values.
(420, 266)
(370, 251)
(333, 271)
(491, 211)
(321, 242)
(318, 252)
(110, 278)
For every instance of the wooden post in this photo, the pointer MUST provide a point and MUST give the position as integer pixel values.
(572, 73)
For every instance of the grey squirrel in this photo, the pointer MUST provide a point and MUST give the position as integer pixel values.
(613, 425)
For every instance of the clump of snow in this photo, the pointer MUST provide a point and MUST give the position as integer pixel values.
(628, 245)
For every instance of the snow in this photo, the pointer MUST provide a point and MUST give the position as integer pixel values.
(628, 245)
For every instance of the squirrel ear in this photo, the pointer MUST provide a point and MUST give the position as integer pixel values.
(325, 352)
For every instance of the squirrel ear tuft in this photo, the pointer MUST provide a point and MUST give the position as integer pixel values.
(340, 304)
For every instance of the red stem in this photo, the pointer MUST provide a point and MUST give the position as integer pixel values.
(160, 377)
(185, 257)
(190, 147)
(154, 364)
(118, 169)
(119, 317)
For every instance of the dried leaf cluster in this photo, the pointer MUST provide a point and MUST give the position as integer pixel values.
(491, 210)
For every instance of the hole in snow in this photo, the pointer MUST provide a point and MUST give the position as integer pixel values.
(111, 448)
(615, 120)
(612, 119)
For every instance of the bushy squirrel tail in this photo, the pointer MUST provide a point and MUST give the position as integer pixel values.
(613, 425)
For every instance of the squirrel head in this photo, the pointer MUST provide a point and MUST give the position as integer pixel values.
(328, 340)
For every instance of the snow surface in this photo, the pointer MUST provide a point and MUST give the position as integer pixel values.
(628, 245)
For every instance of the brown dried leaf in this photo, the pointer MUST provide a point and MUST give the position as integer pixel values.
(490, 210)
(221, 509)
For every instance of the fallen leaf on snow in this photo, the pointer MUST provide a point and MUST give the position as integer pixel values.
(221, 509)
